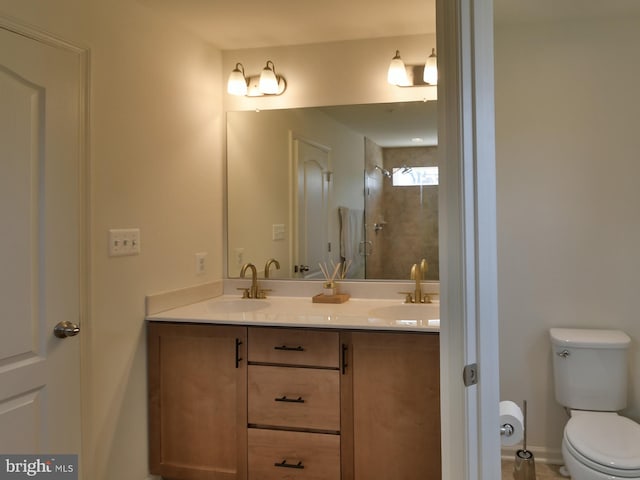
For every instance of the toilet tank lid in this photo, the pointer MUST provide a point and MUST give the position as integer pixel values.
(589, 338)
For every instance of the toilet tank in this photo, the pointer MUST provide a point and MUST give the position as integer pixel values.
(590, 368)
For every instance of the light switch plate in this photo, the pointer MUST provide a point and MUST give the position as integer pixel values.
(277, 231)
(124, 241)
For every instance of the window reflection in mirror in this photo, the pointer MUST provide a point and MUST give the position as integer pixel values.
(313, 185)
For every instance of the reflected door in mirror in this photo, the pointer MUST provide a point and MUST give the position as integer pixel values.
(312, 165)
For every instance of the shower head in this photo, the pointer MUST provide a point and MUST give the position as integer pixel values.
(384, 172)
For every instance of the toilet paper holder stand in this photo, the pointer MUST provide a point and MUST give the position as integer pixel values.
(506, 430)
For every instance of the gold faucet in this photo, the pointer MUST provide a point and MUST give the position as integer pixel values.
(271, 261)
(424, 267)
(253, 291)
(417, 272)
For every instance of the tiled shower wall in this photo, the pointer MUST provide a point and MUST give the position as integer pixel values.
(408, 215)
(373, 210)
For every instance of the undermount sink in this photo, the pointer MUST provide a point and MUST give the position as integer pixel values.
(407, 311)
(236, 306)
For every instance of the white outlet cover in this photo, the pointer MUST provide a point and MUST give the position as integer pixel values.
(201, 263)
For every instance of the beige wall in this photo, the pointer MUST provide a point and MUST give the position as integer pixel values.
(67, 19)
(568, 197)
(156, 163)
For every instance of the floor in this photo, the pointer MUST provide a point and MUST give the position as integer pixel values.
(543, 471)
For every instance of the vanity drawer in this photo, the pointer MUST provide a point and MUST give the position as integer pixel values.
(294, 347)
(305, 398)
(298, 455)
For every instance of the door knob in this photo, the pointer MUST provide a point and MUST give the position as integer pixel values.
(66, 329)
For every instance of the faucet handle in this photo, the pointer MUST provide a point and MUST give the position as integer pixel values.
(262, 293)
(408, 297)
(426, 298)
(245, 292)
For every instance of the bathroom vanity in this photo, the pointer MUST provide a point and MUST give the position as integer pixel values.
(294, 390)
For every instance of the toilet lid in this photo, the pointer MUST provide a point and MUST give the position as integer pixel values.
(607, 439)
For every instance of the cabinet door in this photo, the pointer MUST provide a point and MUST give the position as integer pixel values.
(197, 401)
(391, 403)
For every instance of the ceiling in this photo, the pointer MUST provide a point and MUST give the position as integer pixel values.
(407, 124)
(234, 24)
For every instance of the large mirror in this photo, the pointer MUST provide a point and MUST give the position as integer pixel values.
(354, 184)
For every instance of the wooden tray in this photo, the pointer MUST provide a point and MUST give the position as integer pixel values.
(337, 298)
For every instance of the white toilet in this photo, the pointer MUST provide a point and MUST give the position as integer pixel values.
(590, 372)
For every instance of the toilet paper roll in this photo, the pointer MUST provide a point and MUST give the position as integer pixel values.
(510, 414)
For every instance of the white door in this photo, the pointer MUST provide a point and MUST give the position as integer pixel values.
(312, 208)
(468, 255)
(40, 243)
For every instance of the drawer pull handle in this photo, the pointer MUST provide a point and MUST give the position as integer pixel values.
(299, 348)
(289, 400)
(238, 357)
(345, 362)
(284, 464)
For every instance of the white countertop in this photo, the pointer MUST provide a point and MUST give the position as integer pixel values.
(356, 313)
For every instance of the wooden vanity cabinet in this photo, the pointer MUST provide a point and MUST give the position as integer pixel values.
(197, 401)
(263, 403)
(391, 406)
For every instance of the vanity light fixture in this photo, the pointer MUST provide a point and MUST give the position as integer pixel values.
(403, 75)
(431, 69)
(267, 83)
